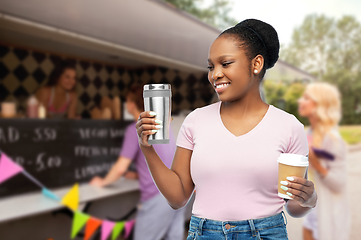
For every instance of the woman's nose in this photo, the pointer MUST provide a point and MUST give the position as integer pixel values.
(216, 75)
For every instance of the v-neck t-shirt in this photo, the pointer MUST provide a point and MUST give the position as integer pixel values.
(236, 177)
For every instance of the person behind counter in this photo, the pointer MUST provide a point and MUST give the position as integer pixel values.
(155, 218)
(59, 96)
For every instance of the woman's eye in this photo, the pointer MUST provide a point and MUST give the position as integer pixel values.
(210, 67)
(226, 64)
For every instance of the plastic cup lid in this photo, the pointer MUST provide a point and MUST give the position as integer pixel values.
(293, 159)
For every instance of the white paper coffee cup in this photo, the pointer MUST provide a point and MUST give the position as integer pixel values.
(290, 164)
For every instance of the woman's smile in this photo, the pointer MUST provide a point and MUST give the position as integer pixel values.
(221, 86)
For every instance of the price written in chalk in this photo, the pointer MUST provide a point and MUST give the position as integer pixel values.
(42, 162)
(12, 135)
(44, 134)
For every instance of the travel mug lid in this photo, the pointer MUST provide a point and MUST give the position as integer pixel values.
(293, 159)
(157, 87)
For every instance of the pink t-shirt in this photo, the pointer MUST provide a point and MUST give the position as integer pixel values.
(236, 177)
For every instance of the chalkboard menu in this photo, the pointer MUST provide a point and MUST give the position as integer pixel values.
(59, 153)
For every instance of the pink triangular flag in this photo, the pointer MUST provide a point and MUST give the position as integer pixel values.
(8, 168)
(107, 228)
(128, 228)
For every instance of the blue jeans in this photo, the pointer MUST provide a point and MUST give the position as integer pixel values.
(269, 228)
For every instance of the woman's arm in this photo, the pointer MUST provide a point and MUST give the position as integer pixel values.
(175, 184)
(72, 106)
(116, 172)
(334, 177)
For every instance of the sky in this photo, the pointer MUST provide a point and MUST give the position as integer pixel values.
(285, 15)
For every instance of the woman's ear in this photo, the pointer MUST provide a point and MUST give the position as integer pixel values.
(257, 64)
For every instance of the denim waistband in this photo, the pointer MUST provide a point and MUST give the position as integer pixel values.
(251, 225)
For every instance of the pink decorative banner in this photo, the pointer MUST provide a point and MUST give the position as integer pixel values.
(107, 228)
(8, 168)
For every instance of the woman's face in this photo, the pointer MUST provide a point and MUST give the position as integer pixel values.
(229, 70)
(306, 106)
(67, 80)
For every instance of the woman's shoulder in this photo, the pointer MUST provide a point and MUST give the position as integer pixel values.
(284, 117)
(201, 113)
(211, 108)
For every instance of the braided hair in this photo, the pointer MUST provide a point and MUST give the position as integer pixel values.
(256, 38)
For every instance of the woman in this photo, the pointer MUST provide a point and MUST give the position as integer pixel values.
(59, 96)
(228, 151)
(320, 103)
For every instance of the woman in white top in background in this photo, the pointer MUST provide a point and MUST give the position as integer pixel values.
(330, 220)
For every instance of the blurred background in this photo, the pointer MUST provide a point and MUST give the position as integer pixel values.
(115, 43)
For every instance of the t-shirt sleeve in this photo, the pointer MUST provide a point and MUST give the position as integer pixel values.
(298, 141)
(130, 145)
(186, 133)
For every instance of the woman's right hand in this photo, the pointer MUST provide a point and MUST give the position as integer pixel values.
(146, 125)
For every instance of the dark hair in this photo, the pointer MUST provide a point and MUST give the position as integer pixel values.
(58, 70)
(135, 93)
(256, 38)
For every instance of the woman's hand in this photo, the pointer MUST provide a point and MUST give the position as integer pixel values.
(97, 181)
(146, 125)
(300, 190)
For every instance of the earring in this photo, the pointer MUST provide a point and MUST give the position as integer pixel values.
(255, 71)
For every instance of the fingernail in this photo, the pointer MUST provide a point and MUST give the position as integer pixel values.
(284, 188)
(284, 183)
(290, 178)
(289, 194)
(158, 126)
(154, 131)
(152, 113)
(158, 121)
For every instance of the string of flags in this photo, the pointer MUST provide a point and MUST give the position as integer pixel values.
(8, 169)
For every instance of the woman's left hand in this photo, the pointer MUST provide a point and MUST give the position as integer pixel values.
(301, 190)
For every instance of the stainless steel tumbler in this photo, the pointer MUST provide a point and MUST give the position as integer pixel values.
(157, 98)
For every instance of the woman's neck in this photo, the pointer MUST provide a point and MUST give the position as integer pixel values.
(252, 103)
(59, 90)
(313, 121)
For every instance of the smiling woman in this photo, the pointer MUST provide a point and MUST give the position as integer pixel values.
(58, 96)
(228, 151)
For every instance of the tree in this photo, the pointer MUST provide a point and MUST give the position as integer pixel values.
(216, 14)
(331, 50)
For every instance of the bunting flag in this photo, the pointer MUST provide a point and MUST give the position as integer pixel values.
(71, 199)
(78, 222)
(107, 227)
(91, 226)
(117, 229)
(47, 193)
(8, 168)
(128, 228)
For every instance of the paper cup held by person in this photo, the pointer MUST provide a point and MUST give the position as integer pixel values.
(290, 165)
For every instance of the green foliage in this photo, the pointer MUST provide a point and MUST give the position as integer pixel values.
(351, 134)
(216, 14)
(331, 50)
(284, 95)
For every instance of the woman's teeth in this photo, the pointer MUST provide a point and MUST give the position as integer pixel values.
(222, 85)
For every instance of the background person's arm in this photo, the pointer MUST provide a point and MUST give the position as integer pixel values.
(116, 172)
